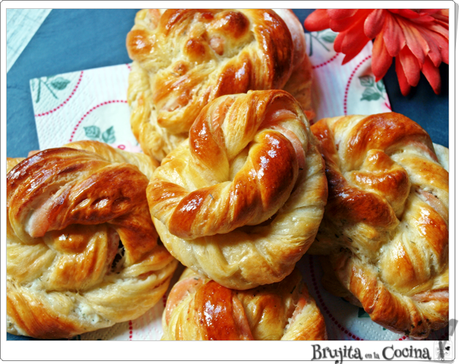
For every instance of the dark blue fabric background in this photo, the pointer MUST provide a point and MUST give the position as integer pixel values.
(73, 40)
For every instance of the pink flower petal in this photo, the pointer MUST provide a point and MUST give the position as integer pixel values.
(355, 38)
(346, 23)
(434, 57)
(429, 11)
(423, 21)
(374, 23)
(406, 13)
(402, 81)
(439, 28)
(338, 41)
(414, 40)
(433, 49)
(393, 36)
(442, 16)
(317, 20)
(421, 17)
(410, 65)
(338, 14)
(350, 42)
(380, 59)
(341, 25)
(419, 39)
(432, 74)
(441, 43)
(350, 55)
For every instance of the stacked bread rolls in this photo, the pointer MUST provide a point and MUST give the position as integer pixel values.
(241, 200)
(236, 183)
(241, 188)
(183, 59)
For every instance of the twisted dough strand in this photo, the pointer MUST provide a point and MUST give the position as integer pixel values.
(241, 199)
(183, 59)
(67, 272)
(200, 309)
(386, 220)
(258, 189)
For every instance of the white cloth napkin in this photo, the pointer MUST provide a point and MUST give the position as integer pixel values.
(21, 26)
(91, 104)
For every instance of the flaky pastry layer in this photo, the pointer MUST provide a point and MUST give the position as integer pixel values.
(82, 251)
(201, 309)
(241, 200)
(183, 59)
(385, 226)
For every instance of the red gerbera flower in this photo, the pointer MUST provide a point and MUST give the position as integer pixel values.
(418, 39)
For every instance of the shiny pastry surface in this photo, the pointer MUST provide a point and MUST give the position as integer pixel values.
(385, 226)
(82, 251)
(241, 200)
(184, 59)
(201, 309)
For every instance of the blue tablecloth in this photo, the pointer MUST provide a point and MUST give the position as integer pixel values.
(78, 39)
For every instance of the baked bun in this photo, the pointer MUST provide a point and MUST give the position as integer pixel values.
(241, 200)
(385, 226)
(183, 59)
(201, 309)
(82, 251)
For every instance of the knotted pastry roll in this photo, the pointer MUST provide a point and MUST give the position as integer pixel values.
(183, 59)
(241, 200)
(201, 309)
(385, 226)
(82, 251)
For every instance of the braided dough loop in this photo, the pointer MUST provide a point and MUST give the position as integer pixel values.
(68, 211)
(386, 220)
(183, 59)
(200, 309)
(242, 199)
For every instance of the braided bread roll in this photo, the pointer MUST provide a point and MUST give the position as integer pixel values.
(183, 59)
(241, 200)
(201, 309)
(82, 251)
(385, 226)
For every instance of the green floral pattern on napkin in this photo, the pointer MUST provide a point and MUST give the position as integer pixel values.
(93, 132)
(373, 90)
(52, 84)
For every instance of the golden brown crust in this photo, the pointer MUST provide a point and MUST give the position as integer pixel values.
(386, 221)
(201, 309)
(11, 162)
(68, 212)
(241, 200)
(145, 163)
(183, 59)
(299, 85)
